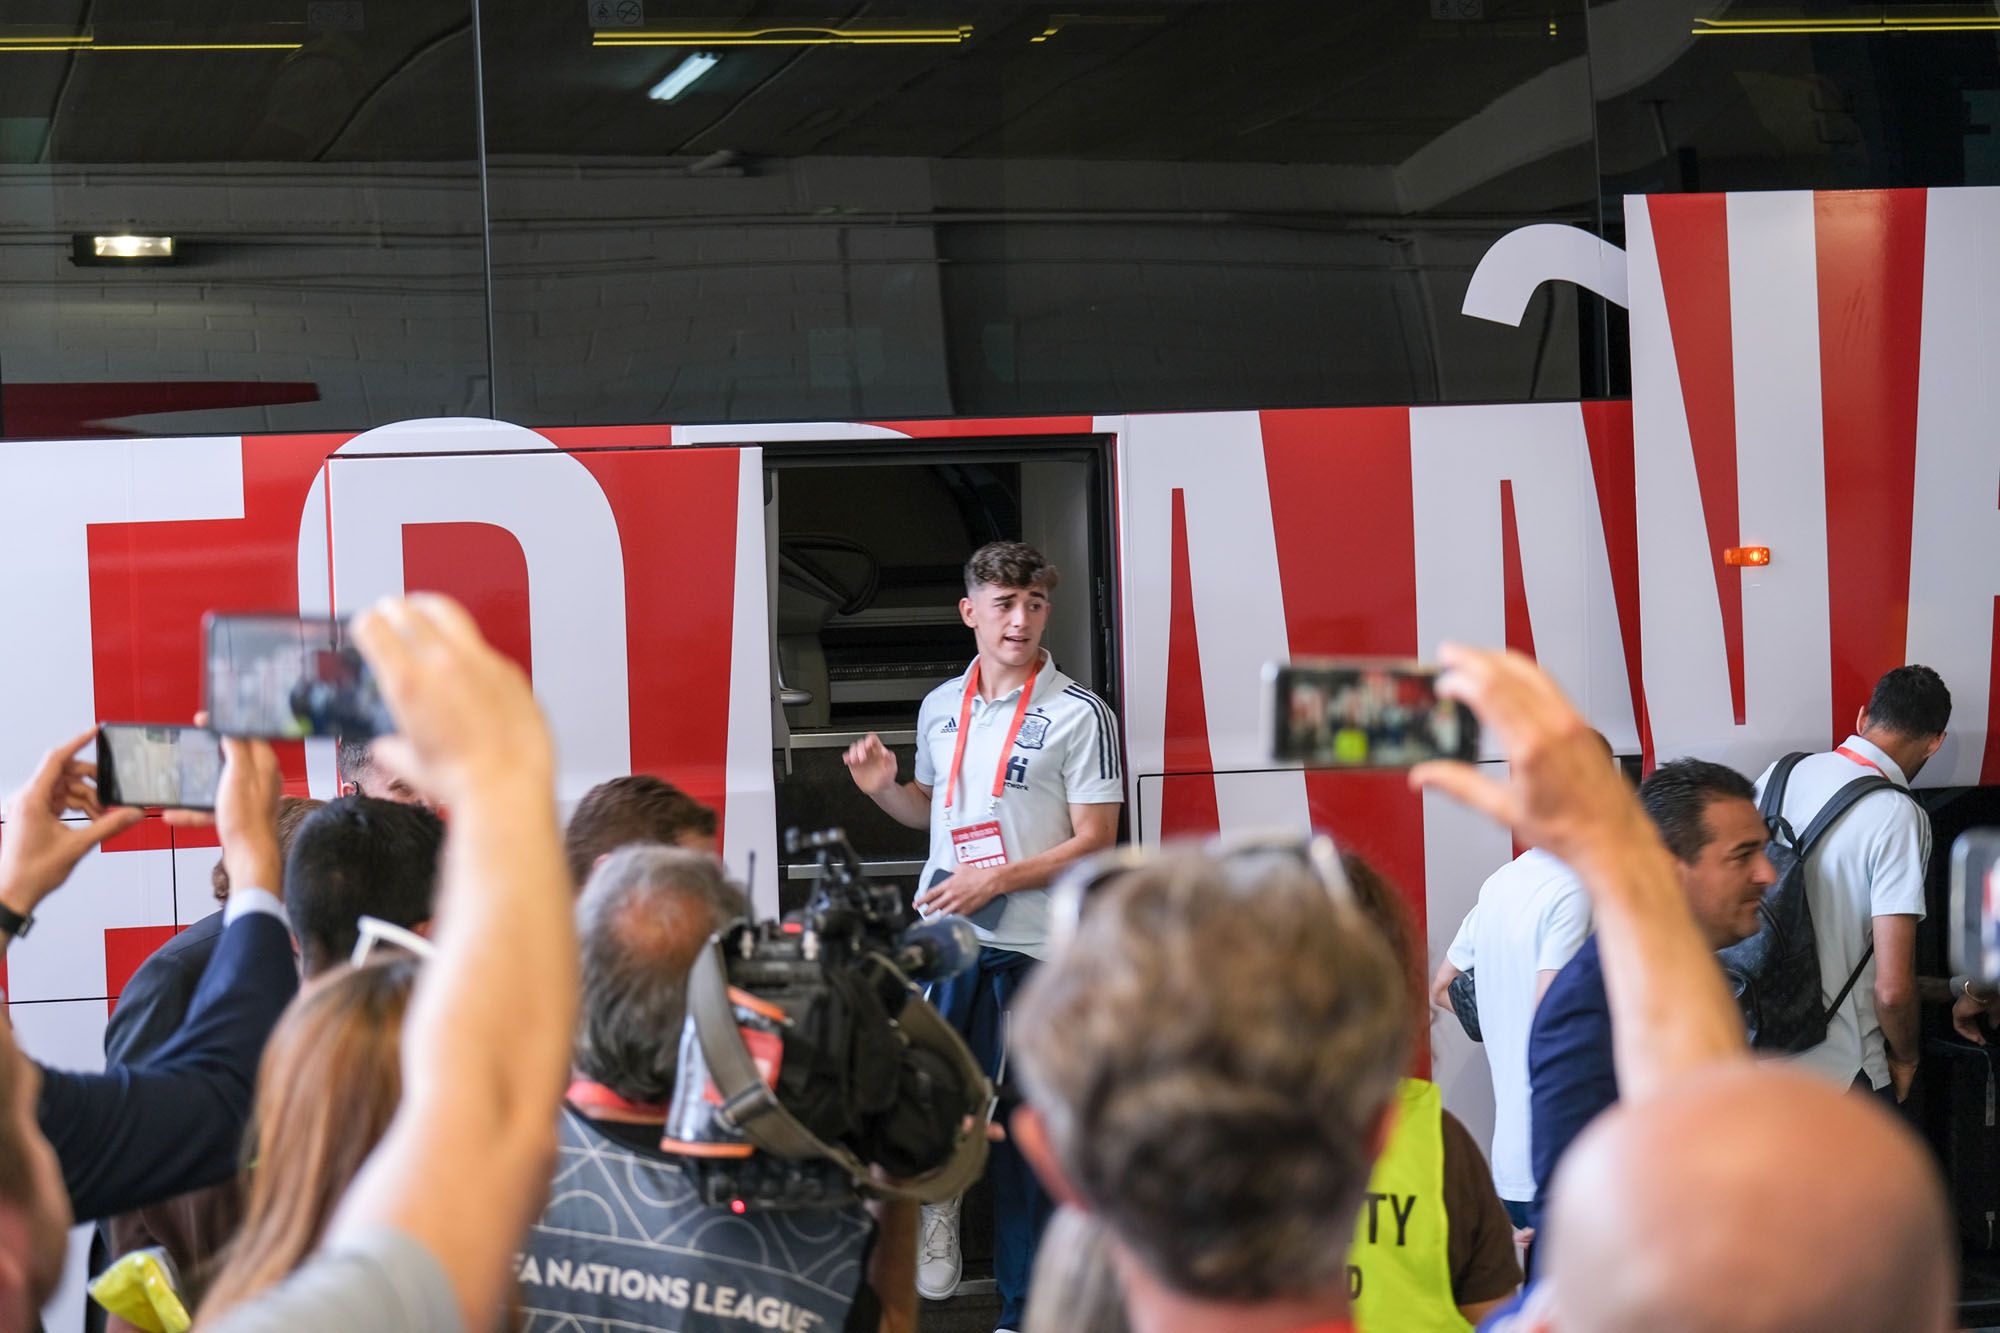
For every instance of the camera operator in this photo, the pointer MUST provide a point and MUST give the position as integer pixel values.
(627, 1240)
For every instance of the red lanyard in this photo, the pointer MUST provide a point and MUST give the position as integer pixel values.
(1860, 759)
(965, 726)
(587, 1096)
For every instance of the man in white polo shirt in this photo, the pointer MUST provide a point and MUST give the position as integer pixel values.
(1532, 915)
(1865, 881)
(1017, 776)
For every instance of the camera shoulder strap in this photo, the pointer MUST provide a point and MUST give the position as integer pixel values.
(748, 1103)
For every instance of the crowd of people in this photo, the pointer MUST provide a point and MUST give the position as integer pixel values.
(413, 1074)
(1861, 847)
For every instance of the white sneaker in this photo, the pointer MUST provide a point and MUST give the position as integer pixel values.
(938, 1259)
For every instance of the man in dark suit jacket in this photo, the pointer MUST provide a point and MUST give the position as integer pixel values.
(150, 1010)
(1707, 815)
(155, 1000)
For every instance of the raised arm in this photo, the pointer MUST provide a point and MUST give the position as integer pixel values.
(139, 1133)
(38, 849)
(1670, 1010)
(486, 1046)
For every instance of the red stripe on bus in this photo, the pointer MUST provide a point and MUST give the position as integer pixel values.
(1871, 291)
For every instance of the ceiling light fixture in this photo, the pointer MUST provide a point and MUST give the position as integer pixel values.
(1835, 26)
(123, 248)
(798, 36)
(32, 45)
(683, 76)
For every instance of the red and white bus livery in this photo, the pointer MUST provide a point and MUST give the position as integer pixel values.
(1811, 374)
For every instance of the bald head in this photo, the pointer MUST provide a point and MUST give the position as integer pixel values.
(1756, 1199)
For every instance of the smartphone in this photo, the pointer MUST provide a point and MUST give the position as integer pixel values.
(138, 763)
(289, 677)
(1363, 712)
(1975, 903)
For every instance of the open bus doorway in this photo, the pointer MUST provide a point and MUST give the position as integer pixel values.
(866, 546)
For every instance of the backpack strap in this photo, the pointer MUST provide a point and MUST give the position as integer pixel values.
(1839, 804)
(1852, 977)
(1772, 807)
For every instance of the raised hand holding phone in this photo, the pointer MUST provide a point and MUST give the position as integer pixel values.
(39, 847)
(245, 817)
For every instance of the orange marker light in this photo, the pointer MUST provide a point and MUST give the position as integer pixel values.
(1747, 555)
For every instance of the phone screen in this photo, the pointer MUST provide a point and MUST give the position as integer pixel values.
(284, 678)
(1975, 903)
(175, 767)
(1364, 713)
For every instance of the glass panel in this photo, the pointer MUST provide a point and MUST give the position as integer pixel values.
(317, 169)
(1701, 95)
(897, 209)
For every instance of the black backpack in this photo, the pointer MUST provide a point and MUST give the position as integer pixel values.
(1775, 974)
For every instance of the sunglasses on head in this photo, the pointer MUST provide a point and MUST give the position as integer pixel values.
(376, 933)
(1240, 854)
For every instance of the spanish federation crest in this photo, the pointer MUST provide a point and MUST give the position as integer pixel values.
(1034, 731)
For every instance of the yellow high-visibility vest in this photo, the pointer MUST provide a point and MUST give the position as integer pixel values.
(1399, 1267)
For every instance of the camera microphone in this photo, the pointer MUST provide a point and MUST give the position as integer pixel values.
(941, 947)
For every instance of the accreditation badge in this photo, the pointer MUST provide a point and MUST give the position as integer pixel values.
(979, 845)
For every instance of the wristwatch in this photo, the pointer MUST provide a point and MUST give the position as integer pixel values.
(14, 923)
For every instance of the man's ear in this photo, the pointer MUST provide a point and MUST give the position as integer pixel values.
(1861, 721)
(1031, 1135)
(965, 611)
(422, 928)
(1937, 742)
(350, 789)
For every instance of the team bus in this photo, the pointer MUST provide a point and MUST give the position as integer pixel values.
(694, 352)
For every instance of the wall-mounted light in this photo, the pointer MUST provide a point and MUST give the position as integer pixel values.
(683, 76)
(121, 248)
(1747, 556)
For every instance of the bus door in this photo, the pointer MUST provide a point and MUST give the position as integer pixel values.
(867, 542)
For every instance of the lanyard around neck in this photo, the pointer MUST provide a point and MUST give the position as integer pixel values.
(588, 1096)
(1860, 759)
(965, 727)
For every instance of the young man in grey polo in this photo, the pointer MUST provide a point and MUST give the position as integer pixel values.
(1017, 776)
